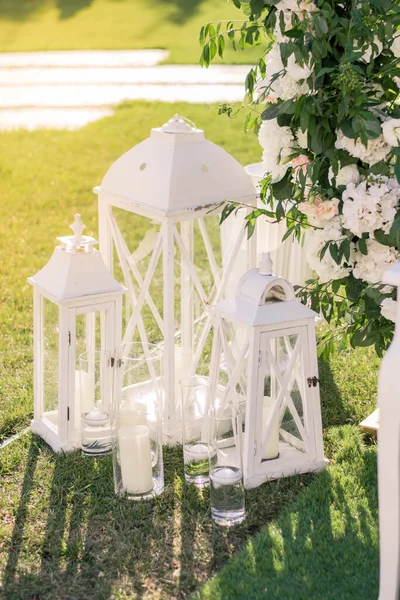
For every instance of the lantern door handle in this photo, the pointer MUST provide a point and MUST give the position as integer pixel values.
(312, 381)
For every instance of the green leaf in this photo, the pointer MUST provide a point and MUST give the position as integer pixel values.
(282, 190)
(227, 210)
(325, 70)
(280, 211)
(394, 233)
(362, 245)
(274, 110)
(237, 3)
(397, 168)
(382, 238)
(294, 33)
(354, 287)
(213, 49)
(321, 26)
(365, 122)
(221, 45)
(334, 252)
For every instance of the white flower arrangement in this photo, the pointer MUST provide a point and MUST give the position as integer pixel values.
(330, 134)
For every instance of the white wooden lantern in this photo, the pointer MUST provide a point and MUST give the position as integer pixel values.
(270, 370)
(77, 309)
(159, 208)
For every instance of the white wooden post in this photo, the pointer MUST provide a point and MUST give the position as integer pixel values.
(389, 460)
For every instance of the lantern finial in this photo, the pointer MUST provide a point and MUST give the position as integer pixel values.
(179, 124)
(77, 227)
(265, 264)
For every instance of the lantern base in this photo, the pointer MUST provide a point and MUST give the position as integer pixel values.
(51, 438)
(290, 462)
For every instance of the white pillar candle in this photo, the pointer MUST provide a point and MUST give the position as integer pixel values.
(183, 361)
(84, 391)
(132, 413)
(271, 448)
(135, 459)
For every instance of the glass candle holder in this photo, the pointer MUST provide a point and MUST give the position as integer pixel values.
(226, 466)
(95, 399)
(137, 433)
(195, 393)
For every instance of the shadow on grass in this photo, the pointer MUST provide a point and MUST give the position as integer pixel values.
(21, 517)
(181, 10)
(334, 411)
(68, 8)
(19, 10)
(22, 10)
(90, 543)
(325, 547)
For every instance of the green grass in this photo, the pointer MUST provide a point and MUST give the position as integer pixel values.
(63, 533)
(324, 545)
(115, 24)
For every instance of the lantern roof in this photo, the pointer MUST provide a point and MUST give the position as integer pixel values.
(76, 269)
(263, 299)
(176, 169)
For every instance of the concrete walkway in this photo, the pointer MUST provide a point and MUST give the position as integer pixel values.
(70, 89)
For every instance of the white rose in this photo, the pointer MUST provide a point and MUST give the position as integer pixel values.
(347, 174)
(326, 268)
(391, 131)
(388, 309)
(379, 258)
(278, 143)
(395, 47)
(284, 87)
(375, 151)
(296, 71)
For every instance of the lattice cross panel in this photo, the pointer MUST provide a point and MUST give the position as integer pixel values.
(284, 414)
(173, 273)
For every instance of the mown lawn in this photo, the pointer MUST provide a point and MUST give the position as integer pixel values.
(115, 24)
(63, 533)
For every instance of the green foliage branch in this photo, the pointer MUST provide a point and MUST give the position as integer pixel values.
(347, 94)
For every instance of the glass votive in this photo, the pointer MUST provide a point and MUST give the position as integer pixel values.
(137, 432)
(95, 399)
(226, 466)
(195, 435)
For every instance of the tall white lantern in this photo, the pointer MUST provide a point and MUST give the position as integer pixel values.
(270, 371)
(159, 207)
(77, 309)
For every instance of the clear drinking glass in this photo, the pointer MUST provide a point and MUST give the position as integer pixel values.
(95, 387)
(195, 438)
(226, 465)
(137, 433)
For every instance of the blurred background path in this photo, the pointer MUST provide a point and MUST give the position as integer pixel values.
(67, 89)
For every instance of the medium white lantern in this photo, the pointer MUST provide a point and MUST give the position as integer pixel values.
(77, 309)
(159, 207)
(270, 371)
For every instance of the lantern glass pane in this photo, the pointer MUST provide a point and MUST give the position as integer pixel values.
(91, 341)
(284, 393)
(50, 373)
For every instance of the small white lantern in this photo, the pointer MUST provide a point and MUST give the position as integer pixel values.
(172, 186)
(270, 370)
(77, 309)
